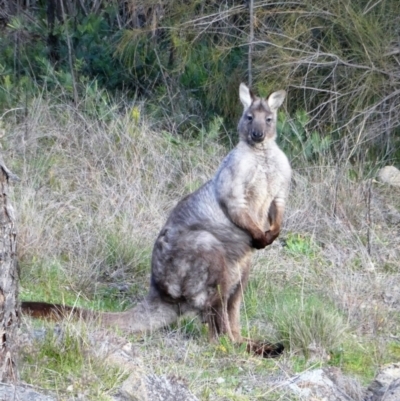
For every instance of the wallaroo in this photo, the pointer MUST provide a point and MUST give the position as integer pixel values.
(202, 256)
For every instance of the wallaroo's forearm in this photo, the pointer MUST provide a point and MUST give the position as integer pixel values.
(275, 215)
(246, 222)
(257, 234)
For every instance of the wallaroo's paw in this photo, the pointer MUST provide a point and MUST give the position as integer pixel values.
(265, 349)
(259, 243)
(270, 237)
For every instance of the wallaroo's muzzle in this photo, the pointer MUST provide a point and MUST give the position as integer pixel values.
(257, 136)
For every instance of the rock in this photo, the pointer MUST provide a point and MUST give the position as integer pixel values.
(21, 393)
(139, 386)
(389, 175)
(391, 296)
(386, 385)
(124, 361)
(345, 384)
(325, 384)
(155, 388)
(168, 389)
(134, 388)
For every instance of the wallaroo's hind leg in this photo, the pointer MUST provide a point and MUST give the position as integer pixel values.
(229, 324)
(235, 301)
(218, 321)
(264, 349)
(216, 311)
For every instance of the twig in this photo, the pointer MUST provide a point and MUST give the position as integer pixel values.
(368, 202)
(165, 81)
(335, 194)
(251, 39)
(367, 10)
(70, 55)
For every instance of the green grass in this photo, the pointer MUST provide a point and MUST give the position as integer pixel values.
(393, 351)
(62, 362)
(300, 317)
(356, 359)
(119, 250)
(300, 245)
(308, 322)
(48, 281)
(303, 320)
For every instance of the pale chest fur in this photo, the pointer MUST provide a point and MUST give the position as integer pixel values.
(266, 178)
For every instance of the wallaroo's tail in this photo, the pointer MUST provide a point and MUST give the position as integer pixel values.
(43, 310)
(150, 314)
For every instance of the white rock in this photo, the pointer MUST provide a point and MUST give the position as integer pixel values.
(389, 175)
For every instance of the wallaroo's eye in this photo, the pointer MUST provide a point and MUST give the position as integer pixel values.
(268, 119)
(249, 117)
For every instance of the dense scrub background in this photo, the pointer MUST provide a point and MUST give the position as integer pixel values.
(337, 59)
(112, 111)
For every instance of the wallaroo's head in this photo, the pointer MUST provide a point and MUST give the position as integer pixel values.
(258, 122)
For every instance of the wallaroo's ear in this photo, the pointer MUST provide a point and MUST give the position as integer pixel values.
(245, 96)
(276, 99)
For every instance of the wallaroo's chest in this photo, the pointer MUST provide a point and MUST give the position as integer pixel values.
(264, 182)
(266, 167)
(250, 176)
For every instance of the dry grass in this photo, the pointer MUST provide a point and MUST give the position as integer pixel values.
(95, 191)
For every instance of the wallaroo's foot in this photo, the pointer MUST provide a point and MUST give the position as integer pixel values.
(265, 349)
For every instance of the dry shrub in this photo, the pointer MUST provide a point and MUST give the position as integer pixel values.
(94, 192)
(354, 226)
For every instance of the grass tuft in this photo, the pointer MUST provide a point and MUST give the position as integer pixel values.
(306, 323)
(61, 361)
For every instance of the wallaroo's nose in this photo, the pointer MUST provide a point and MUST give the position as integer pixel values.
(257, 135)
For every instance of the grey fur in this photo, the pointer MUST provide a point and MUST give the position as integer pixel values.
(201, 258)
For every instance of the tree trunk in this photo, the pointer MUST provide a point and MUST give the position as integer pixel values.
(9, 308)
